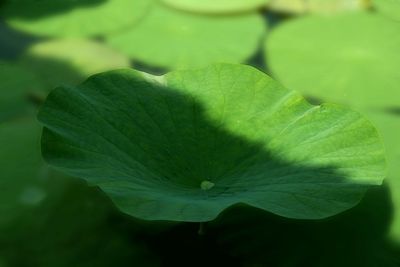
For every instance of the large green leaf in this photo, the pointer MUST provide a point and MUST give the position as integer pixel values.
(217, 6)
(73, 18)
(351, 58)
(356, 64)
(186, 145)
(391, 8)
(70, 61)
(170, 38)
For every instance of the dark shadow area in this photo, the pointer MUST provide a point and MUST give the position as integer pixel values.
(74, 226)
(355, 238)
(141, 66)
(314, 100)
(183, 246)
(246, 236)
(257, 59)
(36, 9)
(13, 43)
(275, 18)
(179, 143)
(393, 111)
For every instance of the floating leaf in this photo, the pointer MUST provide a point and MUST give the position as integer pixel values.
(216, 6)
(170, 38)
(73, 18)
(356, 64)
(317, 6)
(187, 145)
(391, 8)
(70, 61)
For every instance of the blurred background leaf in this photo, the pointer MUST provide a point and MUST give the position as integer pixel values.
(73, 18)
(390, 8)
(70, 61)
(173, 39)
(356, 64)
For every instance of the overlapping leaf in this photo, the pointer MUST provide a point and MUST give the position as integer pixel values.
(73, 18)
(356, 63)
(70, 61)
(170, 38)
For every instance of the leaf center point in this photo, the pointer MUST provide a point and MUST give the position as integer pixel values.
(206, 185)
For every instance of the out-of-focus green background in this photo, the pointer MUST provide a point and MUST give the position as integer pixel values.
(340, 51)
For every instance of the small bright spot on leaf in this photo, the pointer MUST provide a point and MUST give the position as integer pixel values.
(32, 196)
(206, 185)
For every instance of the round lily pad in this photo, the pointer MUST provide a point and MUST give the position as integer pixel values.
(216, 6)
(170, 38)
(349, 58)
(73, 18)
(187, 145)
(16, 83)
(70, 61)
(390, 8)
(317, 6)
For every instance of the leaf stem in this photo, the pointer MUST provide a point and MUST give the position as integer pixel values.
(202, 229)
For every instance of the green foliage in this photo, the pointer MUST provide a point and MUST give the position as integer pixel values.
(390, 8)
(193, 144)
(356, 64)
(70, 61)
(170, 38)
(351, 63)
(16, 82)
(189, 144)
(73, 18)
